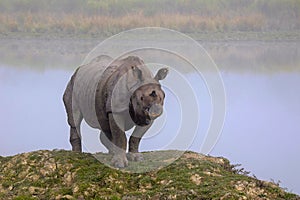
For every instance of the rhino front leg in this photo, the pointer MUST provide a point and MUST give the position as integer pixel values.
(134, 142)
(119, 141)
(105, 139)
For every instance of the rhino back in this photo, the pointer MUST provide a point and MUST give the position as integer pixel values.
(85, 86)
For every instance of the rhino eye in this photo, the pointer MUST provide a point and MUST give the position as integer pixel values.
(142, 98)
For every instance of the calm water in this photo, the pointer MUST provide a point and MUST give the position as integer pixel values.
(261, 129)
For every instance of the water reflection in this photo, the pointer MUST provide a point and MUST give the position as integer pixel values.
(262, 125)
(32, 111)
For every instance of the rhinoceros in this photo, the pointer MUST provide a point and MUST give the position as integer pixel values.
(114, 96)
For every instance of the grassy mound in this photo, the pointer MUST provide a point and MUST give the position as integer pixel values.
(63, 174)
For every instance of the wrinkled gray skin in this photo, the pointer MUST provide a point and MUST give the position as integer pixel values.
(114, 96)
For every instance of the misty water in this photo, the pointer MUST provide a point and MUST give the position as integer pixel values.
(261, 80)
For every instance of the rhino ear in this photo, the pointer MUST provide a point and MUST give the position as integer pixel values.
(161, 74)
(137, 72)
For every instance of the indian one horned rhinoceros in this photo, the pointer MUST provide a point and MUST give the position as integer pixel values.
(114, 96)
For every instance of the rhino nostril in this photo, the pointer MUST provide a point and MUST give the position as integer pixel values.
(153, 94)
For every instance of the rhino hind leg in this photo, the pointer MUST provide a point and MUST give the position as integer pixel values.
(74, 117)
(75, 135)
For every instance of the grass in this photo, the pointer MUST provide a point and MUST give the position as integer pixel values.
(105, 26)
(153, 161)
(189, 177)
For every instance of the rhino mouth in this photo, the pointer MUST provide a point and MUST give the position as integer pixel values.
(146, 115)
(141, 118)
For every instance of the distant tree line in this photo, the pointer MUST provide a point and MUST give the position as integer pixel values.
(183, 15)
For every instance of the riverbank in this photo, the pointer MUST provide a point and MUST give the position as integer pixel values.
(49, 52)
(205, 36)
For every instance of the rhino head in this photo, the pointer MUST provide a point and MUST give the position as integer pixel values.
(146, 102)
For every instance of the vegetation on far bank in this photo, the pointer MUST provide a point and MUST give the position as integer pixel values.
(68, 175)
(105, 18)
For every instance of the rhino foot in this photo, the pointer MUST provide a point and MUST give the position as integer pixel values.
(119, 160)
(135, 156)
